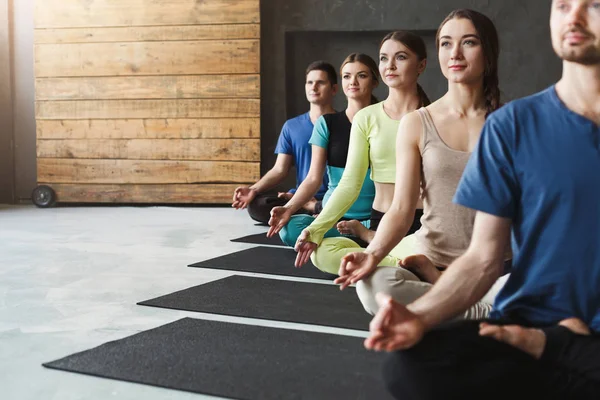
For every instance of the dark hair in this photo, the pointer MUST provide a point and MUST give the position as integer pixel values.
(325, 67)
(369, 62)
(417, 45)
(491, 51)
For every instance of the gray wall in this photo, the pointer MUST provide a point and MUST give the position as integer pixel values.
(294, 32)
(6, 117)
(304, 47)
(24, 98)
(17, 107)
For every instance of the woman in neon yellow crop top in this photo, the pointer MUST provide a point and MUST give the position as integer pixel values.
(434, 145)
(402, 58)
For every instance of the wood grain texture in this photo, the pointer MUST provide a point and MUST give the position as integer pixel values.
(152, 149)
(147, 58)
(212, 128)
(86, 193)
(149, 87)
(147, 101)
(98, 13)
(57, 170)
(147, 34)
(122, 109)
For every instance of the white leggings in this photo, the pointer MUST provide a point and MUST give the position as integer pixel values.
(404, 287)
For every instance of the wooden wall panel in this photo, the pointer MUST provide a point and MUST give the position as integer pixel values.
(60, 170)
(191, 193)
(152, 149)
(119, 109)
(147, 58)
(149, 87)
(141, 101)
(109, 13)
(147, 34)
(206, 193)
(213, 128)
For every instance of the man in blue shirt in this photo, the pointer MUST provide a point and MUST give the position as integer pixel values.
(536, 170)
(292, 148)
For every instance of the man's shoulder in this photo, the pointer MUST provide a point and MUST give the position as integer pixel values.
(525, 106)
(297, 120)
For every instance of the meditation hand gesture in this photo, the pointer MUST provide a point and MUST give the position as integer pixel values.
(354, 267)
(304, 249)
(242, 197)
(394, 327)
(280, 216)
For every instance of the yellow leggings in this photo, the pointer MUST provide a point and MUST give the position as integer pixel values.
(328, 256)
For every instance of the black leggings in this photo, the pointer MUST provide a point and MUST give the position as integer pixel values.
(376, 217)
(260, 208)
(454, 362)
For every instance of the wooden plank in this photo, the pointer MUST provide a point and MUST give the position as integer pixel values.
(149, 128)
(147, 58)
(96, 13)
(152, 149)
(59, 170)
(149, 87)
(147, 34)
(119, 109)
(85, 193)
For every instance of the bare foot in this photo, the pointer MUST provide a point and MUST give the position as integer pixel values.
(422, 267)
(355, 228)
(531, 341)
(576, 325)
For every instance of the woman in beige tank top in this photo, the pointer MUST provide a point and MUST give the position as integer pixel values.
(433, 146)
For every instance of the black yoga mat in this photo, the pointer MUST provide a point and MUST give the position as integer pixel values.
(237, 361)
(265, 260)
(260, 238)
(273, 299)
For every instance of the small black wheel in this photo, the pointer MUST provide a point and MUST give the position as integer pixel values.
(43, 196)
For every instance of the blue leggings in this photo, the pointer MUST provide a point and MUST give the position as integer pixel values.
(289, 234)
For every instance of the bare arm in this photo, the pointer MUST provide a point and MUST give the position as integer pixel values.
(244, 195)
(275, 175)
(311, 184)
(348, 189)
(397, 220)
(470, 276)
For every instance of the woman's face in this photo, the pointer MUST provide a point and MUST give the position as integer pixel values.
(460, 52)
(398, 65)
(357, 81)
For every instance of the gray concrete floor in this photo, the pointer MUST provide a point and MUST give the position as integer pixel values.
(70, 278)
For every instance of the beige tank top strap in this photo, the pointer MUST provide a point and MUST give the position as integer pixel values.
(429, 131)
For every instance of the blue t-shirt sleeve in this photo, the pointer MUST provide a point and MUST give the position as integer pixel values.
(489, 182)
(320, 134)
(284, 143)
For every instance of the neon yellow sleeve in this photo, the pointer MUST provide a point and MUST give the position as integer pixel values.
(348, 190)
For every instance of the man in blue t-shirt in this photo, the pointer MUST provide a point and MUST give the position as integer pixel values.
(536, 170)
(292, 148)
